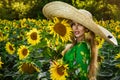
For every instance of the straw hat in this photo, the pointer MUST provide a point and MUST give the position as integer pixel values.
(64, 10)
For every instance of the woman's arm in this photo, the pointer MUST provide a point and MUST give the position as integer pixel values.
(67, 47)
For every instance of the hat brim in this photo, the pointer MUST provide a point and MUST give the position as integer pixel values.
(64, 10)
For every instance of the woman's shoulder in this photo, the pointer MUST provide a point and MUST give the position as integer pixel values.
(83, 44)
(68, 45)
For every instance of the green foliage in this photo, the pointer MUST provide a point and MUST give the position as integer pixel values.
(41, 54)
(11, 9)
(100, 9)
(18, 9)
(108, 69)
(15, 32)
(45, 51)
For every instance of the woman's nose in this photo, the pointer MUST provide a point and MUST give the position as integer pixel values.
(76, 27)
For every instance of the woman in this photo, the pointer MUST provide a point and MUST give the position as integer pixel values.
(78, 53)
(82, 53)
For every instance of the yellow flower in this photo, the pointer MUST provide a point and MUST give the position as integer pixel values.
(1, 36)
(100, 42)
(60, 29)
(117, 65)
(23, 52)
(33, 36)
(20, 7)
(103, 23)
(117, 28)
(50, 44)
(20, 37)
(1, 5)
(117, 56)
(7, 28)
(118, 36)
(10, 48)
(1, 63)
(100, 59)
(114, 34)
(28, 68)
(58, 70)
(23, 23)
(112, 21)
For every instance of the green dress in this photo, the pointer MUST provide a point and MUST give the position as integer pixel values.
(78, 59)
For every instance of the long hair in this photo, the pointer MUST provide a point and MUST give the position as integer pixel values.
(94, 54)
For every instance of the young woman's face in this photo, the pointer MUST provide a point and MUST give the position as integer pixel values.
(78, 29)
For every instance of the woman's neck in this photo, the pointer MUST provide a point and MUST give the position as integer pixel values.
(81, 38)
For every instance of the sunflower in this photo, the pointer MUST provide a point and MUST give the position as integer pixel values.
(1, 36)
(117, 56)
(1, 63)
(60, 29)
(7, 28)
(28, 68)
(20, 37)
(118, 36)
(10, 48)
(100, 42)
(58, 70)
(100, 59)
(117, 65)
(117, 28)
(33, 36)
(23, 52)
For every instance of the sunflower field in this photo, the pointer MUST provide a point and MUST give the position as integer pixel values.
(31, 49)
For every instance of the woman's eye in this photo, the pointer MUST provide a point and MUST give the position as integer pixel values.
(73, 24)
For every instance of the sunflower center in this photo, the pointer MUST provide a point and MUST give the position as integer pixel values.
(60, 29)
(33, 36)
(60, 70)
(118, 29)
(10, 47)
(28, 68)
(7, 28)
(24, 52)
(20, 38)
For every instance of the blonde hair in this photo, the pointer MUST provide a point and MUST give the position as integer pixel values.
(94, 54)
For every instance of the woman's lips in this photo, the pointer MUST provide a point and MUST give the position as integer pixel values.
(76, 32)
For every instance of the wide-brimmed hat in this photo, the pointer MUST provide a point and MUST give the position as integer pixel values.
(64, 10)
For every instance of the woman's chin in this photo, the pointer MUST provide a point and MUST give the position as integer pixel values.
(77, 36)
